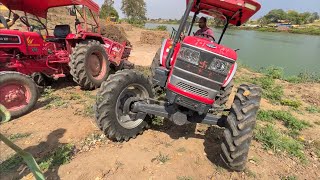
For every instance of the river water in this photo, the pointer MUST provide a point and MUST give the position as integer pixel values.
(295, 53)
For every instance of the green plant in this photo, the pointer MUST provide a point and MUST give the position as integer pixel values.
(273, 72)
(161, 28)
(291, 177)
(276, 141)
(291, 103)
(313, 109)
(88, 111)
(56, 103)
(290, 121)
(184, 178)
(163, 158)
(75, 96)
(11, 163)
(250, 173)
(62, 155)
(14, 137)
(265, 116)
(157, 121)
(271, 91)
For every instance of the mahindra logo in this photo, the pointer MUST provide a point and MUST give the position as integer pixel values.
(211, 46)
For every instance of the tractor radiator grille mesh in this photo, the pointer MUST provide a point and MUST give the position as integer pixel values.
(193, 89)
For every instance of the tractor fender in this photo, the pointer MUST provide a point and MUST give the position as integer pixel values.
(231, 74)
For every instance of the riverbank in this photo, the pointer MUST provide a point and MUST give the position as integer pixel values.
(307, 31)
(310, 30)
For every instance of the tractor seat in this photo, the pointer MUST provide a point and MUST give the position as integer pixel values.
(60, 33)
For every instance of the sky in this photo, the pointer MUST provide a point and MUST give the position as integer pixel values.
(173, 9)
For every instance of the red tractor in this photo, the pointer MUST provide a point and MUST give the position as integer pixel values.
(196, 74)
(84, 54)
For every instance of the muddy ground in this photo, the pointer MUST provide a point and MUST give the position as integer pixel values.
(64, 116)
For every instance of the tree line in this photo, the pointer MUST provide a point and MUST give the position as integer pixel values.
(134, 10)
(294, 17)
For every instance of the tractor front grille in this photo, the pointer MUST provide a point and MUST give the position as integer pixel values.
(193, 89)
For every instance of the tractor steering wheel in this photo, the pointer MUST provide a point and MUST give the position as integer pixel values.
(24, 20)
(208, 37)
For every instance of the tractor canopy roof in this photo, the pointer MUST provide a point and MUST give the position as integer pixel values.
(40, 7)
(239, 11)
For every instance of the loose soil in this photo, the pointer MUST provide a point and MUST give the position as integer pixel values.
(189, 152)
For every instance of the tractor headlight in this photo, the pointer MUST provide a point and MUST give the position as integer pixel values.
(220, 66)
(189, 55)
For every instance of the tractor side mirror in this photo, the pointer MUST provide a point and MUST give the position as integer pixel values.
(73, 11)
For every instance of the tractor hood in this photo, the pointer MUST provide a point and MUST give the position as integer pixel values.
(239, 11)
(40, 7)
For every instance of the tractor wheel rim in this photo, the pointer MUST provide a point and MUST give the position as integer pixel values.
(97, 65)
(14, 96)
(133, 90)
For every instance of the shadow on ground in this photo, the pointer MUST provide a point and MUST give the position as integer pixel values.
(211, 136)
(15, 167)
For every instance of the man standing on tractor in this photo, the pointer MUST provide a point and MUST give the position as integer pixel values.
(8, 22)
(204, 30)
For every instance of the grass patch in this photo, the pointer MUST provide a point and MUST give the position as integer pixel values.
(88, 111)
(15, 137)
(163, 158)
(157, 121)
(11, 163)
(89, 95)
(62, 155)
(290, 103)
(278, 142)
(250, 173)
(313, 109)
(271, 91)
(291, 177)
(304, 77)
(56, 102)
(75, 96)
(289, 120)
(184, 178)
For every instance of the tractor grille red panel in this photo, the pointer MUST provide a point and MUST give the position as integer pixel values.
(193, 89)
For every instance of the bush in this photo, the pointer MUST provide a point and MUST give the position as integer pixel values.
(161, 28)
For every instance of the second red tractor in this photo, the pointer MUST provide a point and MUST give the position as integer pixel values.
(85, 54)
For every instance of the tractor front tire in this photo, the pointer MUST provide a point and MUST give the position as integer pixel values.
(110, 112)
(239, 126)
(89, 64)
(224, 94)
(18, 93)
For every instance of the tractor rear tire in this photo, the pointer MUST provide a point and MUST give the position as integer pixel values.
(18, 93)
(110, 111)
(224, 94)
(239, 126)
(89, 64)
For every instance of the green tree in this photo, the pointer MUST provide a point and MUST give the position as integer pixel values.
(135, 11)
(107, 10)
(295, 17)
(275, 15)
(314, 16)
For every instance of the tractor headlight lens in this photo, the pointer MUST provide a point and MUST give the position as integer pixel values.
(220, 66)
(189, 55)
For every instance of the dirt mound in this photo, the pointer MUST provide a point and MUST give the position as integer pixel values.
(114, 33)
(126, 27)
(153, 37)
